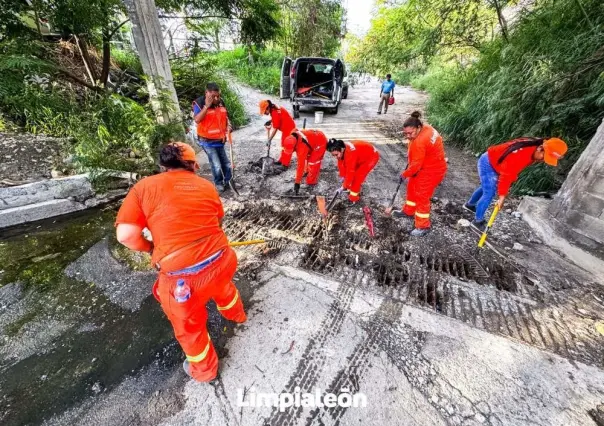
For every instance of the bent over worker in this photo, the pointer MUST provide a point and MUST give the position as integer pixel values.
(189, 249)
(500, 166)
(425, 170)
(213, 125)
(356, 159)
(280, 121)
(310, 146)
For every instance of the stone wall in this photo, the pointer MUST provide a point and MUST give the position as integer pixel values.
(577, 211)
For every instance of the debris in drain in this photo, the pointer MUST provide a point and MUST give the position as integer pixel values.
(256, 167)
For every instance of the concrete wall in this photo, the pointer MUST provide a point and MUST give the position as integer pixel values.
(577, 211)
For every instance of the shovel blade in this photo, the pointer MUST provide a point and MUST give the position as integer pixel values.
(321, 205)
(267, 165)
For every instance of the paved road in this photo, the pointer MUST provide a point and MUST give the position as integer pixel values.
(325, 317)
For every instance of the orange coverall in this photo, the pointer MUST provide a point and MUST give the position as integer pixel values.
(310, 148)
(282, 121)
(183, 213)
(425, 171)
(359, 159)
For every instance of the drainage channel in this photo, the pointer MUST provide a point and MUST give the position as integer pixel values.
(446, 285)
(439, 281)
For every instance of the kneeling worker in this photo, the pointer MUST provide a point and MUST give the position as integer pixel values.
(425, 170)
(189, 249)
(309, 146)
(500, 166)
(356, 159)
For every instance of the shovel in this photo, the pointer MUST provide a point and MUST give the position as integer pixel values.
(483, 237)
(268, 161)
(388, 210)
(232, 181)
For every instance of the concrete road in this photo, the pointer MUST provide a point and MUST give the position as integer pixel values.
(457, 352)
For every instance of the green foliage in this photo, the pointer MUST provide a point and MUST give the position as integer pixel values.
(548, 80)
(190, 78)
(127, 60)
(412, 33)
(311, 27)
(263, 73)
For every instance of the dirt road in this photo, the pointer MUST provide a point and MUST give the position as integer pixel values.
(405, 322)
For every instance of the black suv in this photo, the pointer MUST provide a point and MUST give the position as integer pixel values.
(314, 82)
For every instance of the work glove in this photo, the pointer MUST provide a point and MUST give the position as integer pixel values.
(278, 163)
(401, 178)
(296, 188)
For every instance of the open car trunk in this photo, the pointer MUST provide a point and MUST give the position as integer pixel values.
(315, 78)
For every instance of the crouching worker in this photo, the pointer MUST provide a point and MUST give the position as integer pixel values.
(189, 250)
(356, 159)
(500, 166)
(310, 146)
(425, 170)
(280, 121)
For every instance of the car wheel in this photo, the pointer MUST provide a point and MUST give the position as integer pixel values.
(345, 94)
(334, 111)
(296, 112)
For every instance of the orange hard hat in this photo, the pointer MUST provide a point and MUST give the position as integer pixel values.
(264, 104)
(554, 149)
(188, 153)
(288, 145)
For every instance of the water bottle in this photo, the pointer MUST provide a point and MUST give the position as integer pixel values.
(182, 292)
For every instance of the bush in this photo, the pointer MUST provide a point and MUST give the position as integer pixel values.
(263, 74)
(547, 81)
(110, 131)
(190, 78)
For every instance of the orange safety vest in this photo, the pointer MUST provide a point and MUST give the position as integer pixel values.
(214, 124)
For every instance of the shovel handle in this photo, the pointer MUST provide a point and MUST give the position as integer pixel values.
(246, 243)
(483, 237)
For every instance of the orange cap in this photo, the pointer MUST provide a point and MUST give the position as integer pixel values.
(288, 145)
(554, 149)
(263, 106)
(188, 153)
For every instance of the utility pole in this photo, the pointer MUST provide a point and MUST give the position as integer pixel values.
(149, 42)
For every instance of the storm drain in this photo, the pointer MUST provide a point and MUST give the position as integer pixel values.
(421, 280)
(442, 282)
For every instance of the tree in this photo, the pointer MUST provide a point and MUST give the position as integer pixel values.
(311, 27)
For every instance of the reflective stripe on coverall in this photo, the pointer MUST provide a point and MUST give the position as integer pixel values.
(426, 170)
(360, 157)
(213, 282)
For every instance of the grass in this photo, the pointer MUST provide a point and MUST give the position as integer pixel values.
(263, 73)
(547, 81)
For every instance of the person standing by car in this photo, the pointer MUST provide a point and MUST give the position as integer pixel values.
(189, 250)
(386, 92)
(213, 125)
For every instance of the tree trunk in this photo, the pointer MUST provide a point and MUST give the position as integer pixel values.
(83, 46)
(502, 22)
(106, 59)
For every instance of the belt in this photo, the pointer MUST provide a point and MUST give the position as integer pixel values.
(193, 269)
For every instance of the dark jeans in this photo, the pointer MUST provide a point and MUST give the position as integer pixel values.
(220, 164)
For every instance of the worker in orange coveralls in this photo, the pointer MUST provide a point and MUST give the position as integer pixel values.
(280, 121)
(425, 170)
(356, 159)
(310, 146)
(183, 212)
